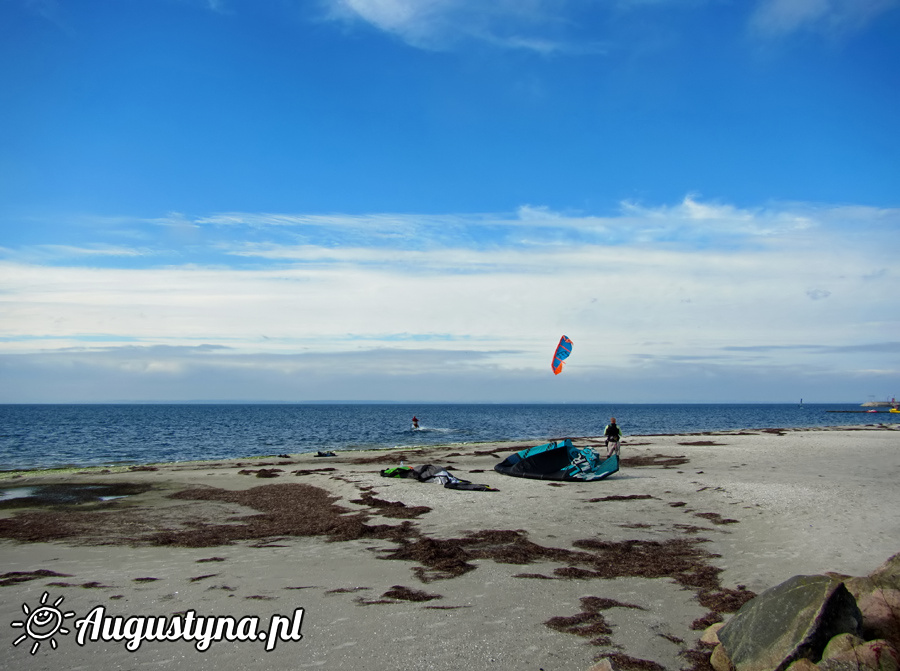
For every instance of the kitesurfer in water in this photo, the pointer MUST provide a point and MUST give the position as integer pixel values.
(415, 422)
(613, 435)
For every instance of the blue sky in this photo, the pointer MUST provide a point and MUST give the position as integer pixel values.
(413, 200)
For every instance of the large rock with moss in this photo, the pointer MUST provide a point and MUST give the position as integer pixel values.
(878, 598)
(877, 655)
(888, 574)
(790, 621)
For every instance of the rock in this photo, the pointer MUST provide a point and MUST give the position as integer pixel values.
(841, 643)
(803, 665)
(879, 603)
(838, 576)
(711, 635)
(880, 610)
(603, 665)
(839, 665)
(790, 621)
(719, 659)
(888, 574)
(859, 586)
(877, 655)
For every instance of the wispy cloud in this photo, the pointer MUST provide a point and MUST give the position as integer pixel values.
(877, 348)
(691, 222)
(556, 26)
(781, 17)
(540, 26)
(92, 250)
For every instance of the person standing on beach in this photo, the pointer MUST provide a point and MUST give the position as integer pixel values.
(613, 435)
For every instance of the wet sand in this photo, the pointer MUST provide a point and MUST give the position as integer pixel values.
(394, 573)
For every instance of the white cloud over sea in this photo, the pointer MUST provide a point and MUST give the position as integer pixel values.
(693, 301)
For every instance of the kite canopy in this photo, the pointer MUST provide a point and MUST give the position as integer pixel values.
(563, 350)
(559, 460)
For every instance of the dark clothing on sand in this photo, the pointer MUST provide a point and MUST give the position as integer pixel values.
(612, 432)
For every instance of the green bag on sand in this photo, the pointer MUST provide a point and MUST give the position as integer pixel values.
(397, 472)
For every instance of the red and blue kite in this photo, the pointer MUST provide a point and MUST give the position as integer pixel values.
(563, 350)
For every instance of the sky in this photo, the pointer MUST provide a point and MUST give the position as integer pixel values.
(413, 200)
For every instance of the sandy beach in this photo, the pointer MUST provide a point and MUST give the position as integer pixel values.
(398, 574)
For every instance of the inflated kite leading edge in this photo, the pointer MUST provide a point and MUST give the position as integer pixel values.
(563, 350)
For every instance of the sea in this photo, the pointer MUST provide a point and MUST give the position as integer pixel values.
(67, 436)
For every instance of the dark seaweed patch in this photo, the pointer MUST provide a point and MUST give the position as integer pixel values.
(655, 460)
(715, 518)
(617, 497)
(408, 594)
(395, 509)
(626, 663)
(310, 471)
(262, 472)
(15, 577)
(589, 623)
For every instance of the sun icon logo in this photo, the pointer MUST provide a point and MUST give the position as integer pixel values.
(43, 623)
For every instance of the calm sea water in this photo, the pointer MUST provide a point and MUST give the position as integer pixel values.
(44, 436)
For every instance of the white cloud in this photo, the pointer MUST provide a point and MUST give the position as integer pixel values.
(781, 17)
(90, 250)
(551, 26)
(533, 25)
(717, 224)
(723, 218)
(655, 288)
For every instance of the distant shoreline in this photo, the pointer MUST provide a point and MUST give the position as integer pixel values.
(511, 445)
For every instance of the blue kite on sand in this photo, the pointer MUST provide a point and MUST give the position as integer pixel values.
(559, 460)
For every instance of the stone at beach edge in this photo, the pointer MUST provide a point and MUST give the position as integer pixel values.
(875, 655)
(878, 598)
(840, 644)
(711, 635)
(790, 621)
(888, 574)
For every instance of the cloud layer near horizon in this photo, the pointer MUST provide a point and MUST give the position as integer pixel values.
(392, 307)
